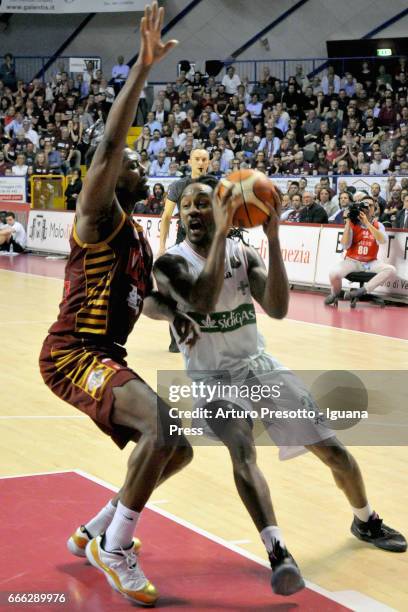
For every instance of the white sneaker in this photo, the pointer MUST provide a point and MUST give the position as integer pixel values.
(122, 571)
(76, 544)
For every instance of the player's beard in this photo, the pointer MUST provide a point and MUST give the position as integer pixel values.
(128, 200)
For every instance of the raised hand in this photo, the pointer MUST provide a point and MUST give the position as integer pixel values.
(152, 49)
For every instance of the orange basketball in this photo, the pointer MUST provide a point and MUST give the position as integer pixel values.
(256, 193)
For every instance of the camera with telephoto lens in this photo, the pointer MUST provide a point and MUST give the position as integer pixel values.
(355, 210)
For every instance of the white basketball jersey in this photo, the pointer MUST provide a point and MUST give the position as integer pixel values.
(229, 335)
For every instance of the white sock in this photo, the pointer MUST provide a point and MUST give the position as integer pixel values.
(120, 532)
(99, 523)
(270, 535)
(363, 513)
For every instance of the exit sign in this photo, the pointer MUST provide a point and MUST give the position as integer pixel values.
(384, 52)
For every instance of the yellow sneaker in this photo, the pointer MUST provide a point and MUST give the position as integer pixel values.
(123, 572)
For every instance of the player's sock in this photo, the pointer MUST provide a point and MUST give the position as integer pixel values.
(99, 523)
(120, 532)
(363, 513)
(270, 535)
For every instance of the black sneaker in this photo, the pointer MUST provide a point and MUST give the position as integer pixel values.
(173, 348)
(375, 532)
(286, 576)
(332, 299)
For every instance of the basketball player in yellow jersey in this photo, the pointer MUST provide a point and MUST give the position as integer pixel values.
(83, 359)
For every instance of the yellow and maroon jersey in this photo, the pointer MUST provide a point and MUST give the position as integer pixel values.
(105, 284)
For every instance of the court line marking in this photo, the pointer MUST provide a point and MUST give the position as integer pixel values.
(344, 329)
(355, 331)
(361, 602)
(374, 605)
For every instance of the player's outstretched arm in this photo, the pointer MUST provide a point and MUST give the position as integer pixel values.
(97, 196)
(269, 288)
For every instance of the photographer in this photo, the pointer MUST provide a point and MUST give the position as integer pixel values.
(361, 239)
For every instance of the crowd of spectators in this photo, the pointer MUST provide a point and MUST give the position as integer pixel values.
(330, 125)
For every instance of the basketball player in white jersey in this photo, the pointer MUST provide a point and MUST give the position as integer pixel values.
(215, 280)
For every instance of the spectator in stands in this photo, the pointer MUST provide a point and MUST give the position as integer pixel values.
(270, 144)
(401, 218)
(325, 200)
(120, 73)
(361, 242)
(13, 236)
(339, 217)
(331, 78)
(341, 168)
(215, 168)
(20, 168)
(160, 166)
(292, 214)
(174, 170)
(231, 81)
(312, 212)
(152, 123)
(143, 140)
(394, 205)
(8, 72)
(40, 165)
(54, 160)
(14, 126)
(254, 108)
(29, 133)
(94, 135)
(388, 114)
(397, 158)
(299, 165)
(155, 201)
(375, 194)
(379, 165)
(73, 189)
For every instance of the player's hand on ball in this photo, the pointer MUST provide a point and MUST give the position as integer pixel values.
(224, 207)
(271, 227)
(152, 48)
(187, 329)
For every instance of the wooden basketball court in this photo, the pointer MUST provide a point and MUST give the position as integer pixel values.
(41, 434)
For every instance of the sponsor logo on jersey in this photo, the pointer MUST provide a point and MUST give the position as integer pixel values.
(95, 380)
(134, 300)
(230, 320)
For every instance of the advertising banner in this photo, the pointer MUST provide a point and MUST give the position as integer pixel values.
(49, 231)
(299, 246)
(309, 251)
(12, 189)
(54, 7)
(79, 64)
